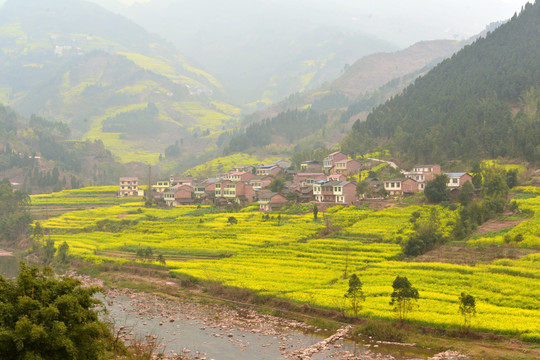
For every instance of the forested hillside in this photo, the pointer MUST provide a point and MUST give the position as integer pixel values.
(107, 78)
(36, 155)
(482, 102)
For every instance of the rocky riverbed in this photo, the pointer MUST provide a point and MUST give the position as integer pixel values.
(192, 330)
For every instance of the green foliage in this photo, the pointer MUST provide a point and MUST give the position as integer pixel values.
(355, 294)
(63, 253)
(436, 190)
(463, 107)
(315, 212)
(232, 220)
(404, 297)
(427, 234)
(466, 193)
(382, 330)
(467, 309)
(48, 319)
(277, 185)
(14, 219)
(292, 125)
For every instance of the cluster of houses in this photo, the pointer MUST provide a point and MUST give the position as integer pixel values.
(315, 182)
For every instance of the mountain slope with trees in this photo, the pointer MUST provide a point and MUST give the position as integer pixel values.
(75, 62)
(482, 102)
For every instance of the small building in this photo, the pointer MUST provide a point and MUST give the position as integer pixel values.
(161, 186)
(266, 170)
(129, 186)
(347, 167)
(401, 186)
(331, 159)
(308, 179)
(340, 192)
(337, 177)
(311, 166)
(270, 201)
(429, 171)
(456, 180)
(240, 176)
(260, 182)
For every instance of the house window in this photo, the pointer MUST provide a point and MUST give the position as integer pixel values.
(454, 181)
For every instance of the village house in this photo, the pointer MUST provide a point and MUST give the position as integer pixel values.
(336, 177)
(456, 180)
(234, 191)
(311, 166)
(429, 171)
(270, 201)
(184, 195)
(331, 160)
(308, 179)
(340, 192)
(161, 186)
(240, 176)
(129, 186)
(266, 170)
(260, 182)
(401, 186)
(242, 168)
(347, 167)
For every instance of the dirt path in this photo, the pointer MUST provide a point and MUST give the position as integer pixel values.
(495, 225)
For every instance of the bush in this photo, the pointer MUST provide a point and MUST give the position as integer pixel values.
(382, 330)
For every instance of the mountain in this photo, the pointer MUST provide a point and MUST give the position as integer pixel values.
(262, 51)
(482, 102)
(37, 155)
(108, 78)
(321, 116)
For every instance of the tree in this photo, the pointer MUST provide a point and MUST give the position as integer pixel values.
(427, 233)
(161, 259)
(315, 212)
(404, 297)
(467, 309)
(355, 294)
(46, 318)
(436, 190)
(511, 178)
(277, 185)
(232, 220)
(63, 252)
(466, 193)
(48, 251)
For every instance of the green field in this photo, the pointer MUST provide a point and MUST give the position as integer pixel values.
(288, 259)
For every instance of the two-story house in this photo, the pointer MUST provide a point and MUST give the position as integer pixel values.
(311, 166)
(129, 186)
(234, 191)
(331, 160)
(161, 186)
(308, 179)
(266, 170)
(340, 192)
(240, 176)
(456, 180)
(347, 167)
(260, 182)
(401, 186)
(270, 201)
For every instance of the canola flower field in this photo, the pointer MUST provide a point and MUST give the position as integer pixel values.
(285, 257)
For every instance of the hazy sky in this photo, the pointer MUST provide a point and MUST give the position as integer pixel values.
(406, 21)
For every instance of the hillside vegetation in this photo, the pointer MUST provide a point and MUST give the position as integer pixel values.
(482, 102)
(107, 78)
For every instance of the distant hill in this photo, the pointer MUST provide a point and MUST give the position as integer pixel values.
(108, 78)
(482, 102)
(262, 51)
(37, 155)
(322, 116)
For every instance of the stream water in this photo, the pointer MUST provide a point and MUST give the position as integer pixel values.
(204, 332)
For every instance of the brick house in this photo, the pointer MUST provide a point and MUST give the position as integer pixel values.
(266, 170)
(129, 186)
(347, 167)
(429, 171)
(260, 182)
(310, 166)
(336, 177)
(331, 159)
(456, 180)
(270, 201)
(234, 191)
(240, 176)
(308, 179)
(340, 192)
(401, 186)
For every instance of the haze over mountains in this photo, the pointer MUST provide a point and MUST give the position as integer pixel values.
(160, 98)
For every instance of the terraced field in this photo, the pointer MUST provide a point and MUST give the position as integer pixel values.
(287, 258)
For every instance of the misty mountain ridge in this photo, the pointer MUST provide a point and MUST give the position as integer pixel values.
(480, 103)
